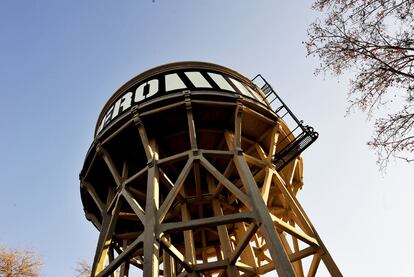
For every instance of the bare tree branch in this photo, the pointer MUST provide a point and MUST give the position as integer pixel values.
(19, 263)
(83, 269)
(374, 38)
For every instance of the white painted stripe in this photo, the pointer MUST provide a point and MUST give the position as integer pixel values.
(241, 88)
(197, 79)
(221, 82)
(173, 82)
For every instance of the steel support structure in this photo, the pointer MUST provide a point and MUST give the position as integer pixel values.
(197, 218)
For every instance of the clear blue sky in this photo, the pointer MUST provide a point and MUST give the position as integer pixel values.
(61, 60)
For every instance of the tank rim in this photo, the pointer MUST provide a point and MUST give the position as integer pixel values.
(162, 69)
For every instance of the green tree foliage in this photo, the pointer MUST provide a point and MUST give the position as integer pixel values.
(373, 40)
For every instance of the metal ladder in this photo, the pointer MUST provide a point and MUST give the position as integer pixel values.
(304, 135)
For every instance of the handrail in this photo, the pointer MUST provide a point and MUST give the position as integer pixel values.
(301, 141)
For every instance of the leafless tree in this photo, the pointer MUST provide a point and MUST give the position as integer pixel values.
(373, 40)
(83, 269)
(19, 263)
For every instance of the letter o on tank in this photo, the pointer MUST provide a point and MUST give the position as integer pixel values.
(146, 90)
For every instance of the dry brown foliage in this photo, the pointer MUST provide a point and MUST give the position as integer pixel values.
(19, 263)
(373, 40)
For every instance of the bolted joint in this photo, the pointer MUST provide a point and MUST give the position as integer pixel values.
(99, 148)
(239, 106)
(135, 117)
(239, 151)
(151, 163)
(137, 121)
(188, 104)
(196, 155)
(187, 93)
(187, 99)
(134, 110)
(119, 188)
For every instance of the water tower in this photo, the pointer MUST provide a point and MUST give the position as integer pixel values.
(194, 171)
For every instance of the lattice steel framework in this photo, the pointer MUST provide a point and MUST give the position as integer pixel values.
(186, 186)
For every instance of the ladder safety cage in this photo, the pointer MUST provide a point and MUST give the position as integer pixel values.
(303, 135)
